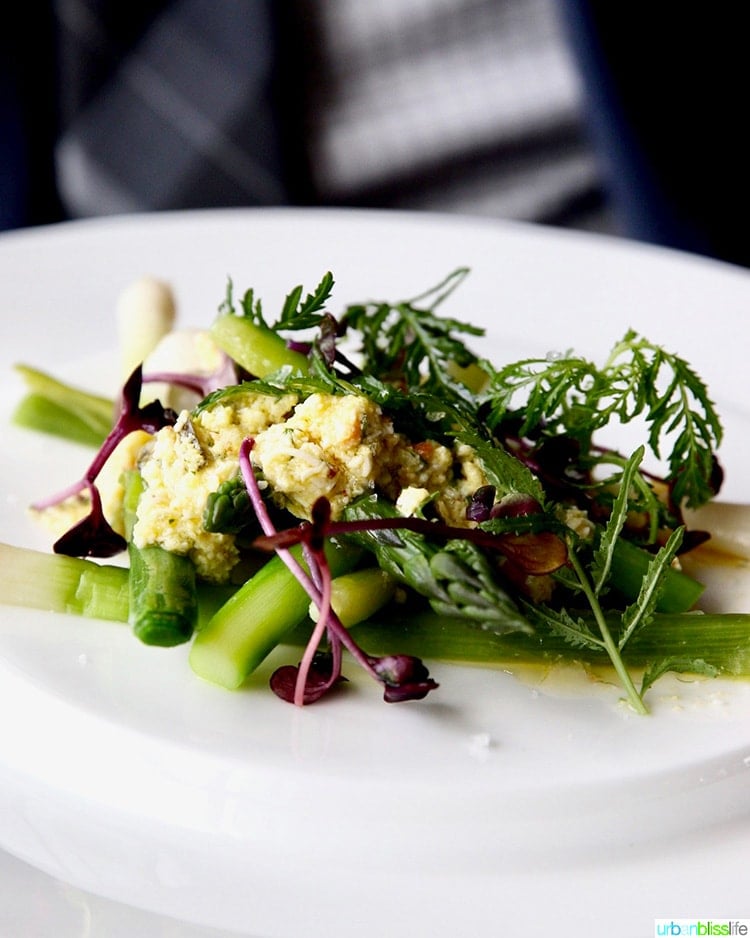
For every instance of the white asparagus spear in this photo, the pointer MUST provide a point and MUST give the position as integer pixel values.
(146, 312)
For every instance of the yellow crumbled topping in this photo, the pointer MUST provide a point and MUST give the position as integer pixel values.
(330, 446)
(578, 521)
(411, 500)
(338, 447)
(184, 464)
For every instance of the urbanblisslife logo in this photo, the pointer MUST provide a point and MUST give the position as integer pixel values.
(708, 927)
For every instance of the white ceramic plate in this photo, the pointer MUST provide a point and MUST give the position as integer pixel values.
(499, 799)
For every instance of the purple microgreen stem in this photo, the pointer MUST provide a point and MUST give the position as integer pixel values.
(202, 385)
(93, 536)
(404, 677)
(322, 575)
(535, 553)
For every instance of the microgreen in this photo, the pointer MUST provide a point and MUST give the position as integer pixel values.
(225, 375)
(403, 677)
(93, 536)
(677, 664)
(299, 313)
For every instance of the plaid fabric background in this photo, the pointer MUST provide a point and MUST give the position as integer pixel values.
(165, 105)
(467, 105)
(454, 104)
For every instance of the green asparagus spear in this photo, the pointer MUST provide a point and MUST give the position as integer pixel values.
(71, 585)
(630, 562)
(34, 579)
(358, 595)
(720, 640)
(257, 618)
(38, 580)
(51, 406)
(163, 605)
(257, 348)
(455, 579)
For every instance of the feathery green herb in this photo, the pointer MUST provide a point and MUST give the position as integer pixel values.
(411, 342)
(570, 395)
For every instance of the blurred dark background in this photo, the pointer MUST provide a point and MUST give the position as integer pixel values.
(622, 118)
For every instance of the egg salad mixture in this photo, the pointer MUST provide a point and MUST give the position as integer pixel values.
(396, 483)
(337, 447)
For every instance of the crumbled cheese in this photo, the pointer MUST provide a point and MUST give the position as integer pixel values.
(338, 447)
(578, 521)
(411, 500)
(330, 446)
(184, 464)
(454, 496)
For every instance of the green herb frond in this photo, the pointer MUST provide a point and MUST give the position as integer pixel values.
(568, 394)
(411, 341)
(297, 314)
(677, 665)
(641, 612)
(602, 560)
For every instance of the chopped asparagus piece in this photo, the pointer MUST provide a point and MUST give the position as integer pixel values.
(163, 596)
(38, 580)
(358, 595)
(256, 619)
(258, 349)
(52, 406)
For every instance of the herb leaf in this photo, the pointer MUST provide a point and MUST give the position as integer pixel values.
(568, 394)
(297, 313)
(411, 341)
(641, 611)
(560, 622)
(602, 560)
(678, 665)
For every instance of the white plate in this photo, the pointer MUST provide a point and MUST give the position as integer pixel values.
(497, 799)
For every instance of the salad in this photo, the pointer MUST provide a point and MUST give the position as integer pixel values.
(365, 486)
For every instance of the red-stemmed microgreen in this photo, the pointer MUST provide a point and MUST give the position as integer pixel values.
(403, 677)
(93, 536)
(224, 375)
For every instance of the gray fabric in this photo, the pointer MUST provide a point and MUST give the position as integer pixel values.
(184, 120)
(462, 105)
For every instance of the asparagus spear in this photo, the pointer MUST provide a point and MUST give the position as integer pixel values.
(57, 583)
(455, 579)
(256, 347)
(163, 604)
(357, 596)
(52, 406)
(257, 618)
(71, 585)
(630, 562)
(719, 640)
